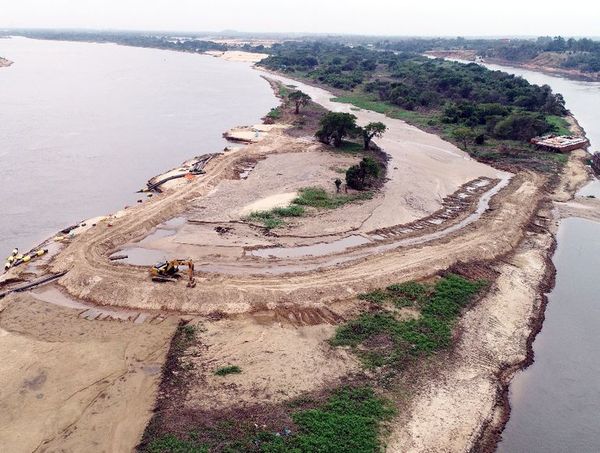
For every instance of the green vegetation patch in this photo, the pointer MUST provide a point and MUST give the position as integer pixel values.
(400, 295)
(366, 101)
(274, 218)
(379, 338)
(274, 113)
(348, 421)
(561, 125)
(308, 196)
(230, 369)
(320, 198)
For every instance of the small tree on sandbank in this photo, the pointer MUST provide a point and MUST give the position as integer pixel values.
(371, 131)
(335, 126)
(300, 99)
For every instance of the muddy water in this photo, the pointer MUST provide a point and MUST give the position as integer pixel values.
(555, 401)
(83, 126)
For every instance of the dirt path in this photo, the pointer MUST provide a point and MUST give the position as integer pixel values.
(69, 384)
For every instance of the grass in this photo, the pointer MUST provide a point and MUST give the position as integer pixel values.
(283, 90)
(350, 147)
(226, 370)
(274, 218)
(274, 113)
(561, 125)
(369, 102)
(308, 196)
(289, 211)
(440, 304)
(347, 421)
(320, 198)
(401, 294)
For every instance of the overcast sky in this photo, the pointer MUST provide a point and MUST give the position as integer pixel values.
(381, 17)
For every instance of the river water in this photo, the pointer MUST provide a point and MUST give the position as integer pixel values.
(555, 402)
(83, 126)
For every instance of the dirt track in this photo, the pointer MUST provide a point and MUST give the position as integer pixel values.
(94, 277)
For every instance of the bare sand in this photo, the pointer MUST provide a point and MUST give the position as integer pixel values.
(275, 353)
(69, 384)
(279, 200)
(423, 168)
(448, 412)
(237, 55)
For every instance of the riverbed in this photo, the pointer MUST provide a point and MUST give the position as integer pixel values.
(84, 125)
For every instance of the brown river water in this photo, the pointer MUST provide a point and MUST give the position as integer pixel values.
(83, 126)
(555, 402)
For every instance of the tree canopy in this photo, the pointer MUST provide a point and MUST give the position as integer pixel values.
(335, 126)
(362, 175)
(372, 130)
(299, 98)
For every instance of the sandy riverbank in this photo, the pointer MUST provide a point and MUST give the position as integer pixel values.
(237, 55)
(448, 412)
(465, 407)
(71, 384)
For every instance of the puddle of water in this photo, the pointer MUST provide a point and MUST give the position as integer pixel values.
(320, 249)
(283, 268)
(53, 295)
(141, 256)
(174, 223)
(159, 233)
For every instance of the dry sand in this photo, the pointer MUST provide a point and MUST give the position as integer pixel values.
(279, 200)
(448, 412)
(276, 358)
(237, 55)
(423, 168)
(68, 384)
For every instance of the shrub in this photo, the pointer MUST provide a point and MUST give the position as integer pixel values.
(431, 332)
(230, 369)
(360, 176)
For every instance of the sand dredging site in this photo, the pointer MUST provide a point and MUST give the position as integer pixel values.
(268, 300)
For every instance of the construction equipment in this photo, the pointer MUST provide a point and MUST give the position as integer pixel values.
(168, 271)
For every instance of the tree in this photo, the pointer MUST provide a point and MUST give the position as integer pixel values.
(299, 98)
(335, 126)
(372, 130)
(360, 176)
(463, 135)
(521, 126)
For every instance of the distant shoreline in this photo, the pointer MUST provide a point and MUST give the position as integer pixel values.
(471, 55)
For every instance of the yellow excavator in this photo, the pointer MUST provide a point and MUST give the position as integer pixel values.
(168, 271)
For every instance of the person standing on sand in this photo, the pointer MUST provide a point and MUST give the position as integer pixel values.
(338, 184)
